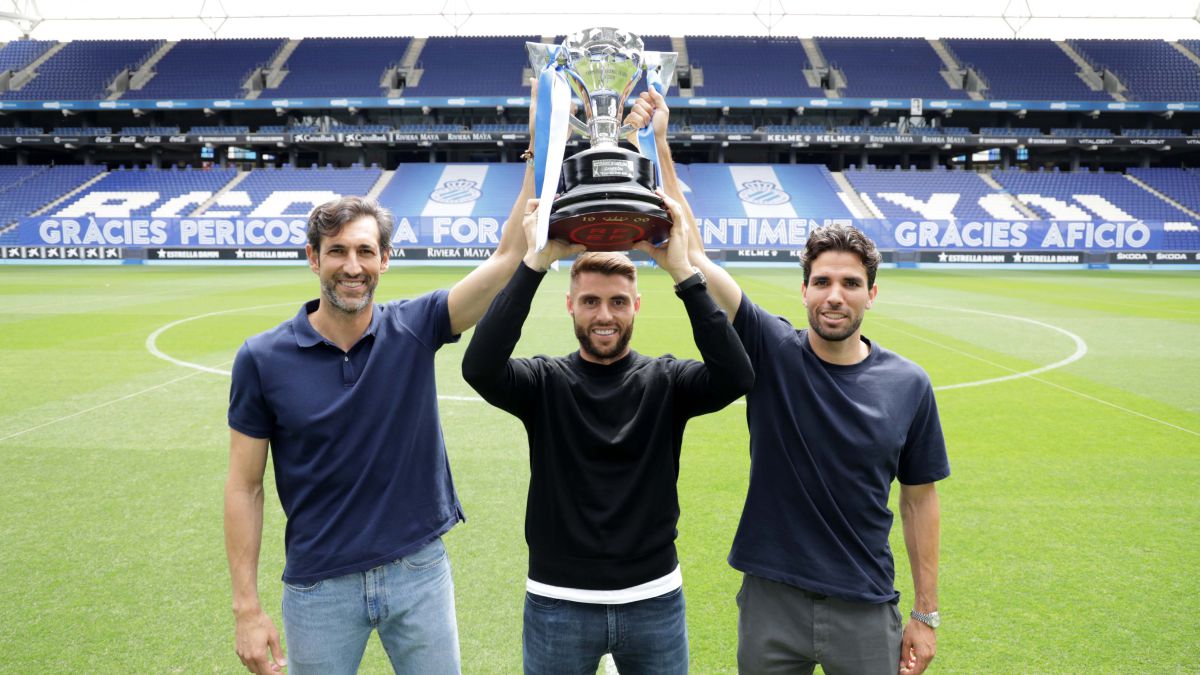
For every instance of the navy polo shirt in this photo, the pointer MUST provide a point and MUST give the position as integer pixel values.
(826, 442)
(360, 463)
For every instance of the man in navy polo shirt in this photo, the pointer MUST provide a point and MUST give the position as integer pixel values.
(344, 396)
(834, 418)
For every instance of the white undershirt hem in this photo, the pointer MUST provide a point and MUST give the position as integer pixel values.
(650, 589)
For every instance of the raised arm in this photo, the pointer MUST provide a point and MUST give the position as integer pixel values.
(258, 643)
(726, 372)
(487, 365)
(470, 297)
(652, 107)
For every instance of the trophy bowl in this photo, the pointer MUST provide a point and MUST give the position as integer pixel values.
(606, 197)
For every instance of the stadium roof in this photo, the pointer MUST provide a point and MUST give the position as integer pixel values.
(71, 19)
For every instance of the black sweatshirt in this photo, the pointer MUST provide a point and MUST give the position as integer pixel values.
(604, 440)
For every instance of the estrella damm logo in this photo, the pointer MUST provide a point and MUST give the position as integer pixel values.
(763, 193)
(457, 191)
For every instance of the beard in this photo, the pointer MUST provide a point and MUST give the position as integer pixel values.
(814, 322)
(624, 335)
(329, 290)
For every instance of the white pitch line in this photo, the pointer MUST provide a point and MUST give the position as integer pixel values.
(1081, 347)
(1032, 374)
(97, 407)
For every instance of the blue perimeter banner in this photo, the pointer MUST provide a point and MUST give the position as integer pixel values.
(739, 232)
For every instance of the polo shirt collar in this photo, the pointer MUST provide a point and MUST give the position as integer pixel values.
(307, 336)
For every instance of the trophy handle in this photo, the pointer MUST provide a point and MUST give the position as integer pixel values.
(579, 127)
(625, 130)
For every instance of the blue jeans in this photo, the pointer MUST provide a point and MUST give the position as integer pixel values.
(409, 601)
(563, 637)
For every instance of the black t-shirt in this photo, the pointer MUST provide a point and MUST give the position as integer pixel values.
(604, 440)
(826, 442)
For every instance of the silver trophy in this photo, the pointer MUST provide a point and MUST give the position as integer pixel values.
(606, 194)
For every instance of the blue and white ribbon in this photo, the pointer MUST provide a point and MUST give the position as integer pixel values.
(646, 137)
(552, 128)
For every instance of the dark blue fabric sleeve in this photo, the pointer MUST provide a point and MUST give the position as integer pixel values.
(923, 458)
(248, 409)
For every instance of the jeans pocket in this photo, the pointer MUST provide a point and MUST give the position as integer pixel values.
(541, 601)
(428, 557)
(304, 588)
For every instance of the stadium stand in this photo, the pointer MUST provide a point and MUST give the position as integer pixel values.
(1181, 185)
(795, 129)
(221, 130)
(149, 131)
(82, 131)
(1080, 133)
(1151, 69)
(893, 67)
(17, 54)
(452, 189)
(339, 67)
(1084, 195)
(83, 69)
(289, 191)
(26, 189)
(1015, 69)
(127, 193)
(1153, 133)
(750, 66)
(206, 68)
(500, 128)
(1010, 131)
(361, 129)
(765, 190)
(932, 195)
(295, 129)
(722, 128)
(939, 131)
(21, 131)
(473, 66)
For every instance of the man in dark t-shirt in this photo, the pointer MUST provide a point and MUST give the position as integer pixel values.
(605, 427)
(834, 418)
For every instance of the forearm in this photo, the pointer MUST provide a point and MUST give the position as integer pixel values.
(512, 238)
(485, 363)
(728, 367)
(921, 514)
(243, 540)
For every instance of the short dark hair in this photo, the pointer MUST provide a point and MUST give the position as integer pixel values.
(839, 237)
(603, 263)
(328, 219)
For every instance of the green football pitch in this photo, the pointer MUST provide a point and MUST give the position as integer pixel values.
(1070, 523)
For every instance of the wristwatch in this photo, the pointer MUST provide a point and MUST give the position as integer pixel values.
(932, 619)
(697, 279)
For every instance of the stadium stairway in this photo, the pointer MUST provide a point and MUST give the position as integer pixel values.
(1185, 51)
(23, 77)
(63, 199)
(1087, 73)
(1016, 203)
(274, 71)
(241, 176)
(378, 187)
(146, 72)
(852, 199)
(955, 71)
(1162, 196)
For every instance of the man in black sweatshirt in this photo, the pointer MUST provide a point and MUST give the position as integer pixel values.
(605, 428)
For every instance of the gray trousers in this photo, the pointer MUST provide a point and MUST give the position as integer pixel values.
(784, 629)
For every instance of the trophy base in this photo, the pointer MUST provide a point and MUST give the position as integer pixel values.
(608, 202)
(610, 224)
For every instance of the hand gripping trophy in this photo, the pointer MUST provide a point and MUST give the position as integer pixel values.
(606, 197)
